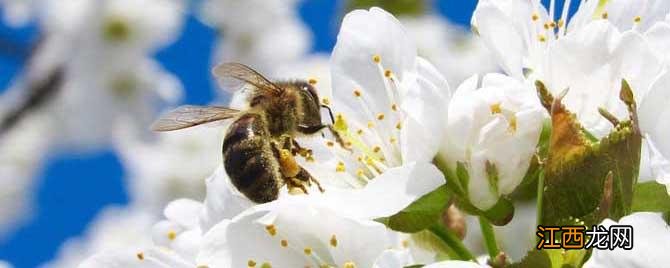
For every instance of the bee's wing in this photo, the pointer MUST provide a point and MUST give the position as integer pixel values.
(189, 116)
(234, 76)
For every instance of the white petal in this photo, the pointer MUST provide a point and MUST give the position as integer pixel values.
(455, 264)
(393, 258)
(152, 258)
(223, 201)
(651, 238)
(184, 212)
(653, 112)
(388, 193)
(659, 39)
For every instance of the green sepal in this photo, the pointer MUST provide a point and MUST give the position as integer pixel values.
(421, 214)
(651, 196)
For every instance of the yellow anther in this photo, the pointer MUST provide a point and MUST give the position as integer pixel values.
(325, 101)
(347, 144)
(359, 159)
(310, 158)
(340, 167)
(376, 149)
(388, 73)
(604, 15)
(272, 230)
(535, 17)
(308, 251)
(359, 132)
(398, 126)
(266, 265)
(251, 263)
(561, 23)
(405, 243)
(552, 24)
(330, 143)
(312, 81)
(637, 19)
(284, 243)
(171, 235)
(349, 264)
(546, 26)
(512, 124)
(376, 58)
(392, 140)
(333, 241)
(360, 172)
(140, 256)
(382, 159)
(357, 93)
(394, 107)
(380, 116)
(495, 108)
(542, 38)
(371, 124)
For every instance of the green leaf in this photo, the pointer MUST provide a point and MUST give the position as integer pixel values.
(651, 196)
(421, 214)
(551, 258)
(395, 7)
(589, 180)
(534, 259)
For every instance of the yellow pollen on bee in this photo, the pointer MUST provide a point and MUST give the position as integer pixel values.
(398, 126)
(171, 235)
(376, 149)
(325, 101)
(333, 241)
(349, 264)
(637, 19)
(542, 38)
(392, 140)
(535, 17)
(307, 251)
(495, 108)
(266, 265)
(284, 243)
(512, 124)
(251, 263)
(604, 15)
(271, 229)
(394, 107)
(330, 143)
(380, 116)
(340, 167)
(376, 58)
(312, 81)
(357, 93)
(140, 256)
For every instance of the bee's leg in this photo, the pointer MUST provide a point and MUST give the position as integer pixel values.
(338, 137)
(304, 176)
(293, 184)
(297, 149)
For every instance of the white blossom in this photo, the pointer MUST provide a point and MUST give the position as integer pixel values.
(651, 238)
(456, 53)
(493, 129)
(275, 36)
(653, 114)
(115, 228)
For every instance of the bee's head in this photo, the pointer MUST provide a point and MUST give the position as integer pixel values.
(309, 98)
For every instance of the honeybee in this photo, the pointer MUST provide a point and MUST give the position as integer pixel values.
(259, 147)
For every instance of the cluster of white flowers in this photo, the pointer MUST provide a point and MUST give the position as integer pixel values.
(404, 131)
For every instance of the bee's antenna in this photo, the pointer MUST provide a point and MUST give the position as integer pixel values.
(330, 112)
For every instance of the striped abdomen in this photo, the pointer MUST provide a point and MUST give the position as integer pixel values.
(249, 160)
